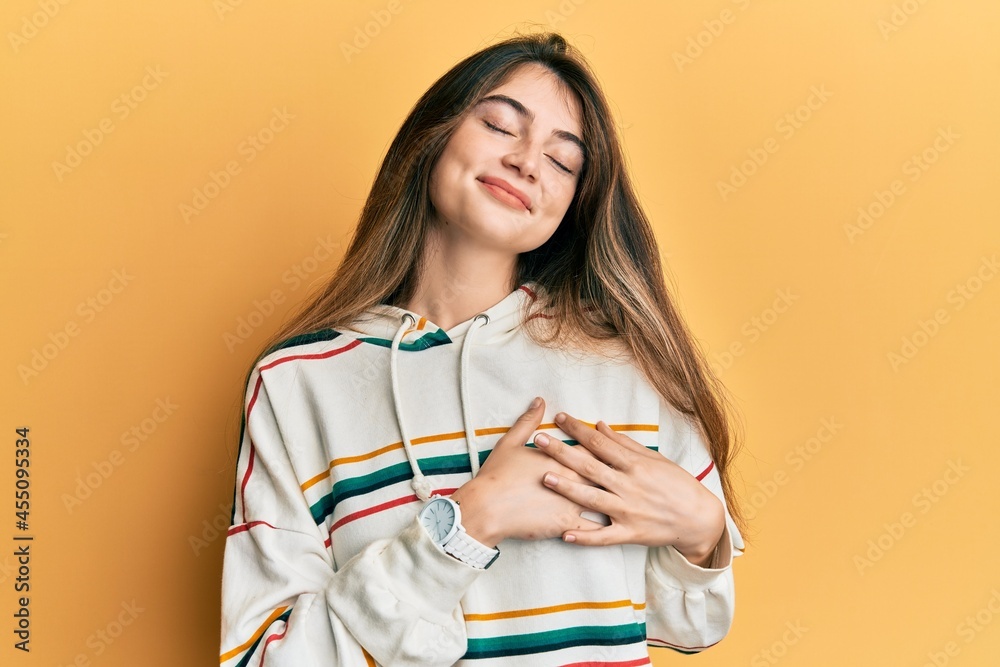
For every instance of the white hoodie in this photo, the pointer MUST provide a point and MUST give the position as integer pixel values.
(345, 432)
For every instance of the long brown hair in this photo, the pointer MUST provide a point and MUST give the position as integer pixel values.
(603, 284)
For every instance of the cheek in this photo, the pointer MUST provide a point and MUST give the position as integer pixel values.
(561, 197)
(441, 182)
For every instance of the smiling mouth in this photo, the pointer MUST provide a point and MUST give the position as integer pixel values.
(503, 196)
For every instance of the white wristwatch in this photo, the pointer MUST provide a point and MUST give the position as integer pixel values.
(442, 519)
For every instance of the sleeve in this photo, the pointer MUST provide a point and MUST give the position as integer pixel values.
(689, 608)
(286, 603)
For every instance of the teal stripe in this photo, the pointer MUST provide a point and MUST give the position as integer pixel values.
(351, 487)
(250, 651)
(554, 640)
(398, 472)
(429, 339)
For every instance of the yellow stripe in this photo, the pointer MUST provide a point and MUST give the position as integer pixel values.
(388, 448)
(634, 427)
(553, 609)
(263, 626)
(368, 659)
(452, 436)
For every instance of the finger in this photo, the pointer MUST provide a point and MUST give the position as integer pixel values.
(599, 443)
(622, 439)
(580, 518)
(589, 497)
(521, 430)
(579, 460)
(613, 534)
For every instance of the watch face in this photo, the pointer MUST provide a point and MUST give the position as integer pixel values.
(438, 518)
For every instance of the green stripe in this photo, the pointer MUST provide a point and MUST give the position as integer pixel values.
(351, 487)
(554, 640)
(250, 652)
(429, 339)
(398, 472)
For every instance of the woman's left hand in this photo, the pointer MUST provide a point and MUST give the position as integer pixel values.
(650, 499)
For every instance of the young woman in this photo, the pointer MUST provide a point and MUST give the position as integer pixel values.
(400, 499)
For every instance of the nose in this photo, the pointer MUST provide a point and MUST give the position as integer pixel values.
(525, 157)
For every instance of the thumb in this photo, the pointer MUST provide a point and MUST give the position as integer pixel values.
(520, 432)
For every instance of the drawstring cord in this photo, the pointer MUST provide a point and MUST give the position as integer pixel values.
(420, 484)
(463, 378)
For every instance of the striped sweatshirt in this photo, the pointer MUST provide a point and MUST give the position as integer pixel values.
(345, 432)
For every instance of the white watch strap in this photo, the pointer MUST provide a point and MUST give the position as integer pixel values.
(469, 550)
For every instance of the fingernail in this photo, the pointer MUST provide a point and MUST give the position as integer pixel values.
(535, 403)
(570, 538)
(542, 440)
(550, 479)
(560, 418)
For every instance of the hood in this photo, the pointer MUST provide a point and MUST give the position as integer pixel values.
(403, 330)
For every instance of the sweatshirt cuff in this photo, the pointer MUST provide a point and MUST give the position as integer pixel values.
(421, 574)
(677, 571)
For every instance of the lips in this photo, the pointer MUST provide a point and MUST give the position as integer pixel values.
(501, 189)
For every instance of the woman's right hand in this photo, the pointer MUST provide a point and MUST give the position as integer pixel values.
(508, 499)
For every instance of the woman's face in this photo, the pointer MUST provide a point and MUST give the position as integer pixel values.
(523, 139)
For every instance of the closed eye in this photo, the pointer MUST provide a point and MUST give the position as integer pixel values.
(503, 131)
(497, 129)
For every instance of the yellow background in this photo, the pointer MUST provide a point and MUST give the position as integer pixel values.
(834, 552)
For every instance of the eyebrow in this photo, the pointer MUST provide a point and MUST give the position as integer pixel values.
(525, 112)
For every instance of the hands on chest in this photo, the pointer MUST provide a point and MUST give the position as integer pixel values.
(530, 494)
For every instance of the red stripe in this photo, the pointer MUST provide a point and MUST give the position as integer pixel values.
(270, 639)
(372, 510)
(246, 476)
(354, 516)
(253, 399)
(256, 392)
(528, 291)
(243, 486)
(321, 355)
(620, 663)
(705, 471)
(247, 526)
